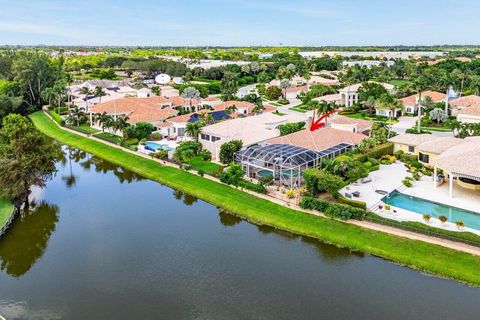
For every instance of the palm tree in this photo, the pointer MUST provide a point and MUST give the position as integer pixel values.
(475, 84)
(99, 92)
(258, 109)
(86, 92)
(428, 103)
(206, 118)
(325, 107)
(121, 123)
(231, 109)
(74, 115)
(60, 90)
(370, 104)
(389, 102)
(284, 84)
(48, 94)
(193, 129)
(419, 84)
(103, 119)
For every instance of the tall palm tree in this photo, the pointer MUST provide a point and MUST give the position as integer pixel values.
(48, 94)
(99, 92)
(103, 120)
(325, 107)
(60, 91)
(120, 124)
(419, 84)
(475, 84)
(86, 92)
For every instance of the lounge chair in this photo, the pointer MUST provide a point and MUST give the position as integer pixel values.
(356, 194)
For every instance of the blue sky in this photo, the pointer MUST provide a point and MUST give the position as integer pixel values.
(239, 22)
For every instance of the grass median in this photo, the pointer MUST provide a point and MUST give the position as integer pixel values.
(418, 255)
(6, 209)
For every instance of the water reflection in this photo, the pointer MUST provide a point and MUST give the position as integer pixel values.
(26, 240)
(87, 161)
(330, 253)
(188, 199)
(228, 219)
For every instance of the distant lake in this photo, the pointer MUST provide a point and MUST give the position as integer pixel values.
(100, 242)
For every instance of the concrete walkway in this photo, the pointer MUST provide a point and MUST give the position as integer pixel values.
(364, 224)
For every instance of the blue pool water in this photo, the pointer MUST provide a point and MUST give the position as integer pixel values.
(268, 173)
(152, 146)
(421, 206)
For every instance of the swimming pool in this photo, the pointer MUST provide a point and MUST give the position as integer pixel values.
(268, 173)
(153, 146)
(422, 206)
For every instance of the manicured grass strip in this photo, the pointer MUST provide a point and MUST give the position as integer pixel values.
(415, 254)
(84, 129)
(6, 209)
(459, 236)
(437, 129)
(109, 137)
(208, 167)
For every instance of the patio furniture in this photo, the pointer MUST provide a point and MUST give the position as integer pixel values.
(356, 194)
(366, 180)
(348, 195)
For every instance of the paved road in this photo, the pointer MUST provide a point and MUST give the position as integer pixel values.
(243, 91)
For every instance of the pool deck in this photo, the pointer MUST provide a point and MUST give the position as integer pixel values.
(390, 177)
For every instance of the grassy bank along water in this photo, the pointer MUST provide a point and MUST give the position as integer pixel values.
(418, 255)
(6, 209)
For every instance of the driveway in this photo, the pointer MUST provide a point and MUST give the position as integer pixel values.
(403, 124)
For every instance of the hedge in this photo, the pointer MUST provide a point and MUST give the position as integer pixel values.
(56, 117)
(333, 210)
(351, 202)
(259, 188)
(376, 152)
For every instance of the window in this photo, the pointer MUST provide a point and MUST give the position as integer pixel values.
(411, 149)
(205, 137)
(423, 157)
(214, 139)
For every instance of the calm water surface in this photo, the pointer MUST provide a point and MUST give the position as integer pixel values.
(102, 243)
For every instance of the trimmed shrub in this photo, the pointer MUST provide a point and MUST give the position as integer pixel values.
(333, 210)
(351, 202)
(376, 152)
(56, 117)
(255, 187)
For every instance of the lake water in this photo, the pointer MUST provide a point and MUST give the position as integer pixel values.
(103, 243)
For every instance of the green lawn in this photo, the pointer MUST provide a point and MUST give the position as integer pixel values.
(85, 129)
(398, 82)
(358, 115)
(109, 137)
(208, 167)
(299, 108)
(437, 129)
(415, 254)
(6, 209)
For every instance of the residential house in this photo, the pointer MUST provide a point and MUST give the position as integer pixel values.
(349, 94)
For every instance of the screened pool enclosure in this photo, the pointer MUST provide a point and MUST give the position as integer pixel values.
(284, 162)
